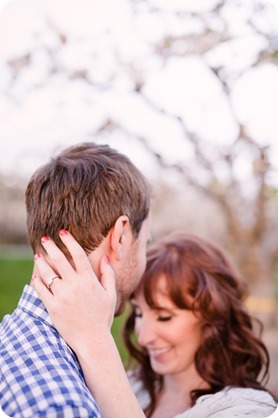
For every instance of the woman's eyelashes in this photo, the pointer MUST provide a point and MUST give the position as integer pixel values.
(164, 318)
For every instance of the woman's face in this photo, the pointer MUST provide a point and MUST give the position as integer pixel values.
(170, 335)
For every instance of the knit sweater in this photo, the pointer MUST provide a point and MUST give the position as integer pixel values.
(228, 403)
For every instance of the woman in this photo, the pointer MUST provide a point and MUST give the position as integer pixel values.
(196, 353)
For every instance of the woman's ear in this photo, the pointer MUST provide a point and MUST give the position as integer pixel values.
(120, 234)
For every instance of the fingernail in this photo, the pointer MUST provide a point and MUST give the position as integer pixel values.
(107, 259)
(63, 232)
(44, 239)
(37, 256)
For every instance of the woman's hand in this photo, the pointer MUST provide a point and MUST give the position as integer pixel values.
(80, 305)
(82, 309)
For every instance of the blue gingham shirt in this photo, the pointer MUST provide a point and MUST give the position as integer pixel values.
(39, 374)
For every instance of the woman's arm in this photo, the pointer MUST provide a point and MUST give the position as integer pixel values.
(107, 380)
(82, 308)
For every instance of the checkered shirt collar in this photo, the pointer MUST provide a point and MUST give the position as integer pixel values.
(30, 303)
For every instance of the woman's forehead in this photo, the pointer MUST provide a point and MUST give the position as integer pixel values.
(162, 290)
(158, 292)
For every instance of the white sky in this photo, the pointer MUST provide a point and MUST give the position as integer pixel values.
(106, 36)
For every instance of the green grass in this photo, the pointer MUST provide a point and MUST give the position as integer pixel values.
(15, 273)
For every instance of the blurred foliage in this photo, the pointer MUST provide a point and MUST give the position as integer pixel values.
(14, 274)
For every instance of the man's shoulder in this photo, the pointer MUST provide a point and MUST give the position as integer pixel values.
(29, 346)
(38, 370)
(52, 411)
(45, 384)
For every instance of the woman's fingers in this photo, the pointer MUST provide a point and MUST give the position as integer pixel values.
(43, 292)
(107, 278)
(47, 274)
(66, 269)
(56, 266)
(107, 274)
(57, 258)
(79, 257)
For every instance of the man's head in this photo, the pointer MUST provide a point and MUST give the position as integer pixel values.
(91, 190)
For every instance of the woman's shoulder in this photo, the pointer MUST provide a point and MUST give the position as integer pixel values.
(231, 403)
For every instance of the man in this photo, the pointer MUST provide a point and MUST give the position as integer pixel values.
(103, 200)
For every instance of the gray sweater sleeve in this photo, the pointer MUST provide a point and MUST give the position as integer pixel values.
(233, 403)
(228, 403)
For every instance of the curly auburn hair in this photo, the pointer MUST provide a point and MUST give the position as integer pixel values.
(230, 353)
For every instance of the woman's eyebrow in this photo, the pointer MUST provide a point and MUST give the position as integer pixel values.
(163, 308)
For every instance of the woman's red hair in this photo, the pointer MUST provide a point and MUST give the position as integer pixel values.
(201, 278)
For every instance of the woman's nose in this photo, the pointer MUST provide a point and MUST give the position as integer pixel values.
(145, 332)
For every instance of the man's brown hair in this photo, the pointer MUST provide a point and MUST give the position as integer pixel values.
(84, 189)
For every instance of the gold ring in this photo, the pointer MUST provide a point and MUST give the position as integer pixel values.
(49, 281)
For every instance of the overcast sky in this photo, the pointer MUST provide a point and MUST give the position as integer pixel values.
(38, 117)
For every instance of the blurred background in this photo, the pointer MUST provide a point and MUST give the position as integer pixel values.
(188, 89)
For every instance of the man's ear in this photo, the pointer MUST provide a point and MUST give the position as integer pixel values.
(120, 234)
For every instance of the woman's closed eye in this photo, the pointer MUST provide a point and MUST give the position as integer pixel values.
(163, 318)
(160, 318)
